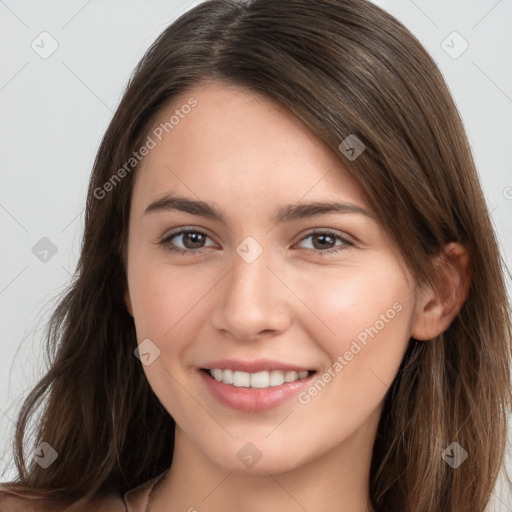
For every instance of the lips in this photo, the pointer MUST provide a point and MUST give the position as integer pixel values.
(239, 393)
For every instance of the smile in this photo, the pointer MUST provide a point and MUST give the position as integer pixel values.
(261, 380)
(254, 392)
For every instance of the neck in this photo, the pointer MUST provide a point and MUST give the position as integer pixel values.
(337, 480)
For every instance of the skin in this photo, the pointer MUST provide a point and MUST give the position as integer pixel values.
(248, 155)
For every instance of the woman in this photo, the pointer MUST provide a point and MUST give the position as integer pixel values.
(212, 352)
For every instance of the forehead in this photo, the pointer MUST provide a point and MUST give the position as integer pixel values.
(239, 147)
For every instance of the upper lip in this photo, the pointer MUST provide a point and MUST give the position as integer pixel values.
(257, 365)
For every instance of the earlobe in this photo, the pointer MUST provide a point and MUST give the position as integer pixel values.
(439, 304)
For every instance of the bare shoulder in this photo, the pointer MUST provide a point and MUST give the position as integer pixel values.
(13, 501)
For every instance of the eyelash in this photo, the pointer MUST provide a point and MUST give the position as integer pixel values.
(315, 252)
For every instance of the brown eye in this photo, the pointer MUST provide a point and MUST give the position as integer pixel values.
(191, 240)
(325, 242)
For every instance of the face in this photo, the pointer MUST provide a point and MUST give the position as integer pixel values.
(261, 286)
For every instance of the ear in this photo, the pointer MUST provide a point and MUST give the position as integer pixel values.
(438, 305)
(128, 302)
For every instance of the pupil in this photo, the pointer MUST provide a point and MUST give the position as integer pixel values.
(323, 237)
(192, 236)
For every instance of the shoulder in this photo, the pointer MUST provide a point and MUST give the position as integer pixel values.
(15, 501)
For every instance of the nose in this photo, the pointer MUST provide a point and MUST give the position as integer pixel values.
(255, 302)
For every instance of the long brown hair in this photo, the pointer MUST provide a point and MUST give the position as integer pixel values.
(345, 68)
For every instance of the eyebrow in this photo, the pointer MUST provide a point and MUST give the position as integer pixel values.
(286, 213)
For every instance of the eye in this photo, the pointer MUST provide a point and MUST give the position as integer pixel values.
(192, 239)
(323, 241)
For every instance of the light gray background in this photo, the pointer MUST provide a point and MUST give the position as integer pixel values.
(54, 111)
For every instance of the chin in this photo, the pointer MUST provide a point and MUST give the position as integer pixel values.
(257, 458)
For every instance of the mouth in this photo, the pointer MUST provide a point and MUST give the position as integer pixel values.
(257, 391)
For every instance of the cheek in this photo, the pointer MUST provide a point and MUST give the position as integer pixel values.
(363, 324)
(346, 301)
(164, 300)
(170, 308)
(161, 294)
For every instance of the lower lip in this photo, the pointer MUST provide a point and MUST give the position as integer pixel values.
(253, 399)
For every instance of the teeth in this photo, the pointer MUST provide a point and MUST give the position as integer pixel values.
(290, 376)
(256, 380)
(276, 378)
(260, 380)
(241, 379)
